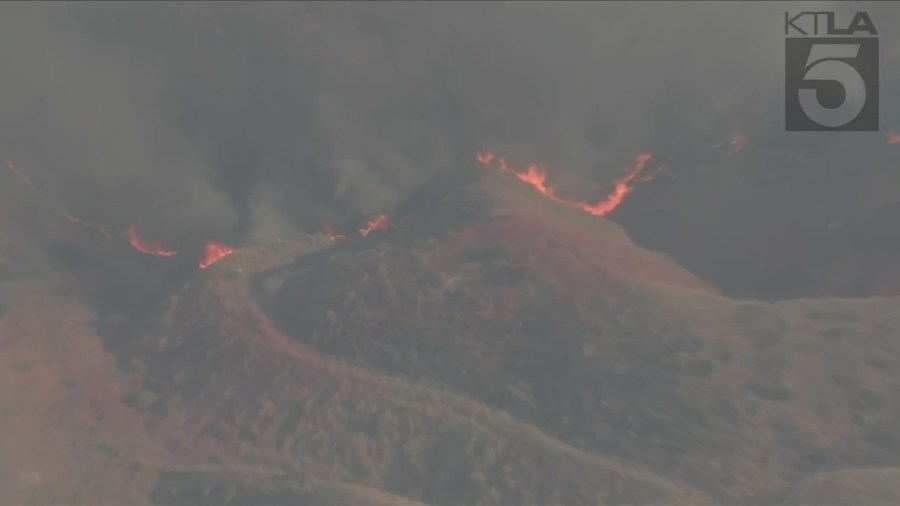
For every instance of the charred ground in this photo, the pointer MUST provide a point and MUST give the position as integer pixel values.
(611, 351)
(489, 348)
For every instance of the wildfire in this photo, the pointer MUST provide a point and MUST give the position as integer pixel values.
(621, 189)
(537, 179)
(330, 233)
(99, 227)
(148, 249)
(485, 158)
(214, 252)
(379, 222)
(893, 138)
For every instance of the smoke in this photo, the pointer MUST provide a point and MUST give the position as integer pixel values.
(363, 187)
(245, 121)
(268, 219)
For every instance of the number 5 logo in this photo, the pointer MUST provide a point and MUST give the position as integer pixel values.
(832, 84)
(825, 64)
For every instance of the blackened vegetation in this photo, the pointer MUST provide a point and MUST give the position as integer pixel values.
(761, 326)
(167, 365)
(769, 391)
(186, 488)
(604, 370)
(16, 265)
(445, 203)
(496, 267)
(185, 364)
(484, 323)
(120, 281)
(777, 248)
(130, 292)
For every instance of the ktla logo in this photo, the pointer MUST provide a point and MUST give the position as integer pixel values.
(831, 73)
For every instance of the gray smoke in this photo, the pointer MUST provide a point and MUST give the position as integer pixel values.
(250, 121)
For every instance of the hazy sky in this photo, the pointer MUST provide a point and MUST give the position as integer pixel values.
(251, 121)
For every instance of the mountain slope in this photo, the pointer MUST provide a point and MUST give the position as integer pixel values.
(286, 406)
(612, 349)
(489, 347)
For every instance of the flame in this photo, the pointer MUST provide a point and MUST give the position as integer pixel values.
(136, 243)
(485, 158)
(48, 203)
(893, 138)
(537, 179)
(621, 189)
(379, 222)
(214, 252)
(330, 233)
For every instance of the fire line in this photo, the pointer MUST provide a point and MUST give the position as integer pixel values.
(537, 179)
(213, 253)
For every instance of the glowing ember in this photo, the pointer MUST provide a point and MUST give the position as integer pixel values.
(485, 158)
(537, 179)
(331, 235)
(214, 252)
(893, 138)
(381, 221)
(136, 243)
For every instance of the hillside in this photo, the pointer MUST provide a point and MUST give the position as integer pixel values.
(490, 348)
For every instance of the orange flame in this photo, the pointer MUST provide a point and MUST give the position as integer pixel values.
(893, 138)
(379, 222)
(48, 203)
(537, 179)
(330, 233)
(136, 243)
(214, 252)
(621, 189)
(485, 158)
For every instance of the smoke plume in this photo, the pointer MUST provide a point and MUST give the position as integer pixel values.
(247, 121)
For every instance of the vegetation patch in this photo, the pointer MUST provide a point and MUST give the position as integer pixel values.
(770, 392)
